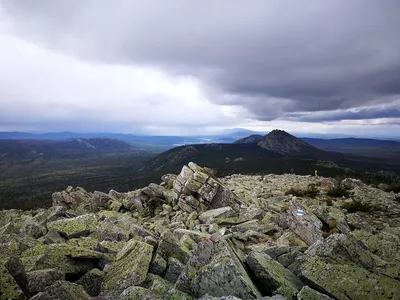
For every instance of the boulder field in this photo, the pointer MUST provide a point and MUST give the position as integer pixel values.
(195, 236)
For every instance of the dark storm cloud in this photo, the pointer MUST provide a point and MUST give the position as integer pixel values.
(360, 114)
(272, 57)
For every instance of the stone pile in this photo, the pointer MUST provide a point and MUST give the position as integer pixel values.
(195, 236)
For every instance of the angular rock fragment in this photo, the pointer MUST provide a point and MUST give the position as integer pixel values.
(129, 269)
(215, 269)
(272, 276)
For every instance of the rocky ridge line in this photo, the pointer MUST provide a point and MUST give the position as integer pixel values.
(195, 236)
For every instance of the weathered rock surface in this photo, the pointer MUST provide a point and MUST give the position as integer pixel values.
(91, 281)
(195, 189)
(64, 290)
(129, 269)
(215, 269)
(39, 280)
(75, 227)
(273, 277)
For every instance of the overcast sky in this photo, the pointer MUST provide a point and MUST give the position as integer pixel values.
(198, 66)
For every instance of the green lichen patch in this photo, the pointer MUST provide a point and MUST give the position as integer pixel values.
(349, 282)
(84, 242)
(67, 258)
(129, 269)
(273, 276)
(64, 290)
(9, 289)
(308, 293)
(75, 227)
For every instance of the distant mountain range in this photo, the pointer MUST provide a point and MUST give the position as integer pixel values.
(72, 148)
(257, 153)
(158, 144)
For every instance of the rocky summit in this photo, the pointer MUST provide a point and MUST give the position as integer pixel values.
(195, 236)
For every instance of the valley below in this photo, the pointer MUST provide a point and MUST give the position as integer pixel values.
(31, 170)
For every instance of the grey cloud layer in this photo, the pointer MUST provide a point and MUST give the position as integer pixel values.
(272, 57)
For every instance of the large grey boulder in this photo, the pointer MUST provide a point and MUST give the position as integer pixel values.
(174, 269)
(39, 280)
(273, 277)
(215, 269)
(75, 227)
(343, 268)
(8, 286)
(64, 290)
(129, 269)
(170, 246)
(304, 223)
(91, 281)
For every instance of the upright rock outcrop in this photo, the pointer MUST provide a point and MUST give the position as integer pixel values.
(196, 190)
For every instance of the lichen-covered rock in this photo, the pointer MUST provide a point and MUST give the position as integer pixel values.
(75, 227)
(138, 293)
(40, 279)
(130, 268)
(41, 296)
(115, 205)
(304, 223)
(135, 229)
(17, 271)
(211, 215)
(91, 281)
(158, 265)
(107, 231)
(166, 289)
(343, 281)
(64, 290)
(33, 229)
(9, 289)
(215, 269)
(67, 258)
(112, 247)
(343, 249)
(195, 185)
(171, 247)
(274, 278)
(85, 242)
(174, 269)
(53, 237)
(308, 293)
(14, 245)
(49, 215)
(100, 200)
(72, 198)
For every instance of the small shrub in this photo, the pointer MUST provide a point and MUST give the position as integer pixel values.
(395, 187)
(355, 206)
(312, 191)
(295, 191)
(338, 190)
